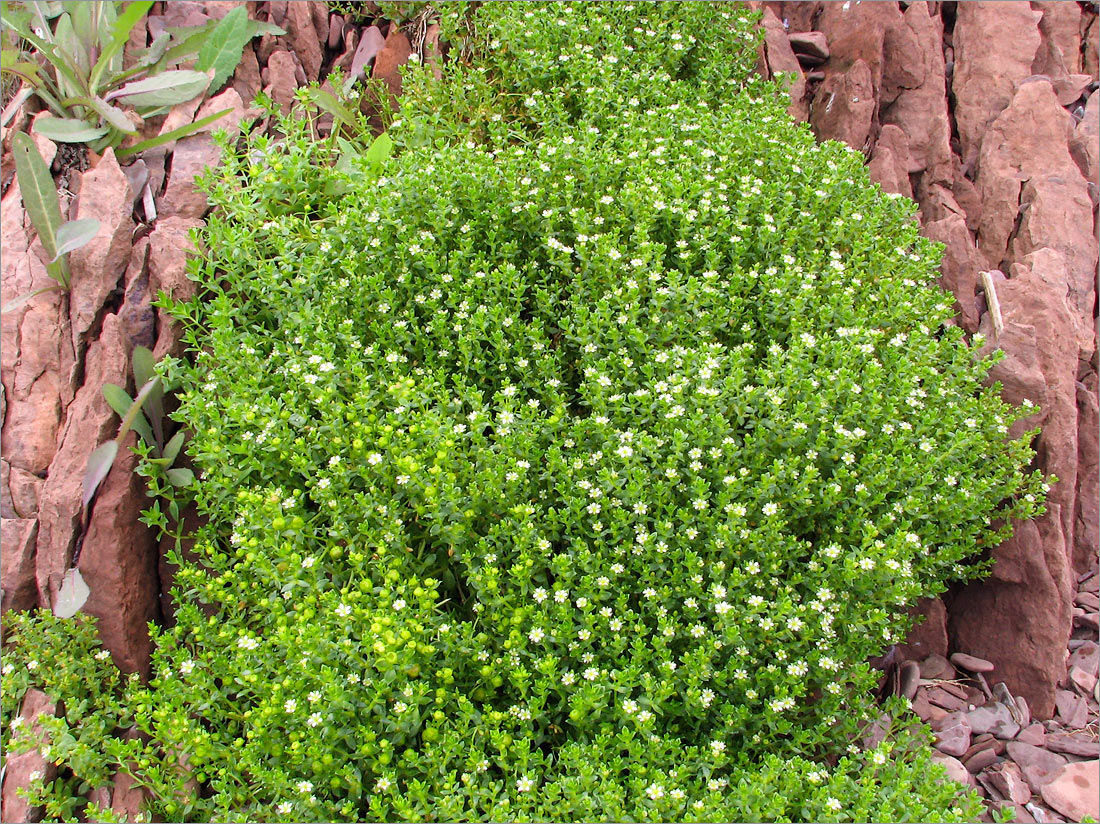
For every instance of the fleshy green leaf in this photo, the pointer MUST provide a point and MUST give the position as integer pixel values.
(166, 89)
(68, 130)
(180, 476)
(117, 398)
(223, 48)
(173, 447)
(175, 134)
(38, 191)
(71, 595)
(380, 150)
(99, 465)
(74, 234)
(120, 37)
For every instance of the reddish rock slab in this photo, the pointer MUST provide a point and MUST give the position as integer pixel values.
(843, 107)
(170, 245)
(89, 422)
(954, 768)
(1072, 709)
(889, 166)
(1036, 764)
(36, 351)
(915, 90)
(395, 53)
(952, 734)
(1074, 790)
(960, 265)
(1060, 26)
(812, 43)
(20, 767)
(247, 80)
(796, 15)
(1029, 592)
(371, 43)
(119, 565)
(282, 77)
(980, 760)
(97, 267)
(1009, 781)
(1086, 658)
(18, 537)
(1034, 734)
(857, 32)
(937, 667)
(1073, 743)
(929, 637)
(303, 35)
(995, 719)
(1087, 513)
(778, 57)
(971, 663)
(995, 45)
(195, 153)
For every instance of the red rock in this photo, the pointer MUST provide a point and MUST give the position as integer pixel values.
(1073, 710)
(19, 767)
(937, 667)
(926, 710)
(431, 50)
(1086, 658)
(229, 123)
(24, 489)
(778, 57)
(1089, 61)
(395, 53)
(247, 79)
(796, 15)
(952, 734)
(960, 265)
(1083, 744)
(857, 32)
(889, 166)
(1009, 781)
(1036, 764)
(971, 663)
(954, 768)
(811, 43)
(1082, 680)
(1087, 514)
(843, 107)
(1060, 25)
(170, 245)
(36, 351)
(17, 539)
(995, 44)
(981, 759)
(993, 718)
(303, 38)
(1034, 734)
(942, 698)
(195, 153)
(281, 79)
(89, 422)
(371, 43)
(119, 565)
(1028, 141)
(914, 83)
(1088, 601)
(1029, 591)
(97, 267)
(1074, 790)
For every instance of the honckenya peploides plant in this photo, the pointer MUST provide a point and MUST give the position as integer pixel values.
(570, 465)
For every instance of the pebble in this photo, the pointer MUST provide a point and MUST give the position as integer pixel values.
(993, 718)
(1036, 764)
(1073, 744)
(1086, 657)
(1033, 734)
(954, 767)
(980, 760)
(971, 663)
(1074, 790)
(952, 733)
(936, 668)
(1008, 780)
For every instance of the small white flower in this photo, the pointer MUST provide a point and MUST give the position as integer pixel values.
(187, 667)
(343, 610)
(305, 786)
(525, 784)
(314, 720)
(285, 808)
(308, 562)
(655, 791)
(382, 784)
(834, 805)
(536, 635)
(290, 705)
